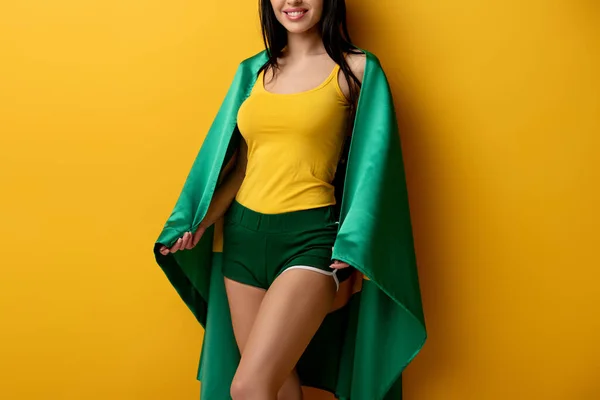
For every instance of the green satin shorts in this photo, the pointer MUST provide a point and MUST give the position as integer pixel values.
(257, 248)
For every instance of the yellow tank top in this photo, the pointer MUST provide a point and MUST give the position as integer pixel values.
(294, 145)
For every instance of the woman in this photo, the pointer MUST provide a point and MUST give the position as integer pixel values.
(278, 198)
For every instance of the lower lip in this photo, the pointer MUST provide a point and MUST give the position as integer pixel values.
(295, 17)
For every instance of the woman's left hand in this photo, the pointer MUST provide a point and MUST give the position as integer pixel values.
(338, 265)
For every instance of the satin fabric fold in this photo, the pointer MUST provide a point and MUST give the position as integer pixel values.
(361, 348)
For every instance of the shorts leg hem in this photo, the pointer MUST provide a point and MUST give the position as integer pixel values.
(246, 282)
(315, 269)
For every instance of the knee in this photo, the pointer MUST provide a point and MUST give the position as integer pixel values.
(240, 389)
(246, 388)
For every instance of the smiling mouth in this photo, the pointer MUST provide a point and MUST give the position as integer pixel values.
(295, 13)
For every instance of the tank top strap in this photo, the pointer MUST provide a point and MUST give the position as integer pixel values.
(333, 75)
(336, 84)
(336, 69)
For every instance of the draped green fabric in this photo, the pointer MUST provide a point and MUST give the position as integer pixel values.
(361, 349)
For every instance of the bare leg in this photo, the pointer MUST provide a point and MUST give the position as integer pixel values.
(290, 314)
(244, 303)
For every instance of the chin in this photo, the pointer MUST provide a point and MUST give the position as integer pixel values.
(298, 29)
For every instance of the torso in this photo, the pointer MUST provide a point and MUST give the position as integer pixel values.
(294, 127)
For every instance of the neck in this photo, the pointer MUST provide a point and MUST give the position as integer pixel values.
(305, 44)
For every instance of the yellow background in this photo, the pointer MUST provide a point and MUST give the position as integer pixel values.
(103, 106)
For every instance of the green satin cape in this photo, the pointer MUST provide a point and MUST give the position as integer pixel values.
(360, 350)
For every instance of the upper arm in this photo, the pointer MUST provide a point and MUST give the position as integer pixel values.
(357, 63)
(237, 164)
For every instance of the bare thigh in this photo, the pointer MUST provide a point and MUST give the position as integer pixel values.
(290, 314)
(244, 303)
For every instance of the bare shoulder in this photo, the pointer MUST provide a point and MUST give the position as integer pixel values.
(357, 63)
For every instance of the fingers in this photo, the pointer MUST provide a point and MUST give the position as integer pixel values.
(177, 246)
(185, 240)
(197, 235)
(189, 244)
(339, 265)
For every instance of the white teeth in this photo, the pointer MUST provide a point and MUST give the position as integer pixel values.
(295, 13)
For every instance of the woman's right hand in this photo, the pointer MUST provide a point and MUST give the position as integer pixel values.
(187, 242)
